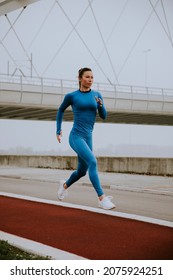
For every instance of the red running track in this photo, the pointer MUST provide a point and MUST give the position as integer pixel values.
(91, 235)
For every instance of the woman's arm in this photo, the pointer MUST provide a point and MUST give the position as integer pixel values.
(101, 107)
(60, 113)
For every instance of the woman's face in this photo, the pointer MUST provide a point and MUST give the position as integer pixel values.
(86, 79)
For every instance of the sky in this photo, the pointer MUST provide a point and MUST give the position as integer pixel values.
(125, 42)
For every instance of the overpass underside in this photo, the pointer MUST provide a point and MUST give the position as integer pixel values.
(49, 114)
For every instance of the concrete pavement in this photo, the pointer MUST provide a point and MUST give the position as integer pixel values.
(115, 181)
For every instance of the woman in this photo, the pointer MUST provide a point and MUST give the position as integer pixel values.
(85, 103)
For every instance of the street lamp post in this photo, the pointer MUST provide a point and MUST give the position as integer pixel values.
(146, 64)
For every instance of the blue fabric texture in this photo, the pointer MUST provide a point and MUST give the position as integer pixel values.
(85, 108)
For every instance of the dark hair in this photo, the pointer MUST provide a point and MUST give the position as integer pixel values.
(81, 72)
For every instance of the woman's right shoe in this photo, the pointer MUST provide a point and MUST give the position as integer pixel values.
(106, 203)
(62, 192)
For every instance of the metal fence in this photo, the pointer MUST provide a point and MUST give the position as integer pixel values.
(45, 84)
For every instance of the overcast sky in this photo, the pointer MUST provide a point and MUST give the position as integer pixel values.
(123, 41)
(114, 37)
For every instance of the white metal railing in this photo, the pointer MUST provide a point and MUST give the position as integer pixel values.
(62, 83)
(50, 92)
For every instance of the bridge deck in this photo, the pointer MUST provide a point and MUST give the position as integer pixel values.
(39, 99)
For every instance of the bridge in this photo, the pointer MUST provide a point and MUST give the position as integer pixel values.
(7, 6)
(39, 98)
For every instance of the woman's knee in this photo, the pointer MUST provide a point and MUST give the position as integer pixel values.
(93, 163)
(82, 173)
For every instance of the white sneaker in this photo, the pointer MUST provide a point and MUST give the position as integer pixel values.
(62, 192)
(106, 203)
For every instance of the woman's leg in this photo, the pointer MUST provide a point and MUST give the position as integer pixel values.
(87, 160)
(77, 174)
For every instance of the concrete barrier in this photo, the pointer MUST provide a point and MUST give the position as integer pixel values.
(148, 166)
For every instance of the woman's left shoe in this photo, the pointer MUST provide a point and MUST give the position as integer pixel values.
(62, 192)
(106, 203)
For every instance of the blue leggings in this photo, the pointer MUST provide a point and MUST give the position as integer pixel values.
(86, 161)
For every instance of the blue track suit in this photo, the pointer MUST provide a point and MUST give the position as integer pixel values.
(84, 108)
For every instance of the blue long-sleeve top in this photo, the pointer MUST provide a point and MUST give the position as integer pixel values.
(85, 108)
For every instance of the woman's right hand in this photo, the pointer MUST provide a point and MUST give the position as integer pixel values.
(59, 136)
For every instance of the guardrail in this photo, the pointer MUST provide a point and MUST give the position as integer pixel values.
(45, 83)
(48, 92)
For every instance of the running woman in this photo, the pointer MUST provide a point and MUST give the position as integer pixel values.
(85, 103)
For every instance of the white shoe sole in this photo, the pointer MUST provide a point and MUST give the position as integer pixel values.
(111, 208)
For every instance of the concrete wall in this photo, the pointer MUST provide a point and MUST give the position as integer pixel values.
(150, 166)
